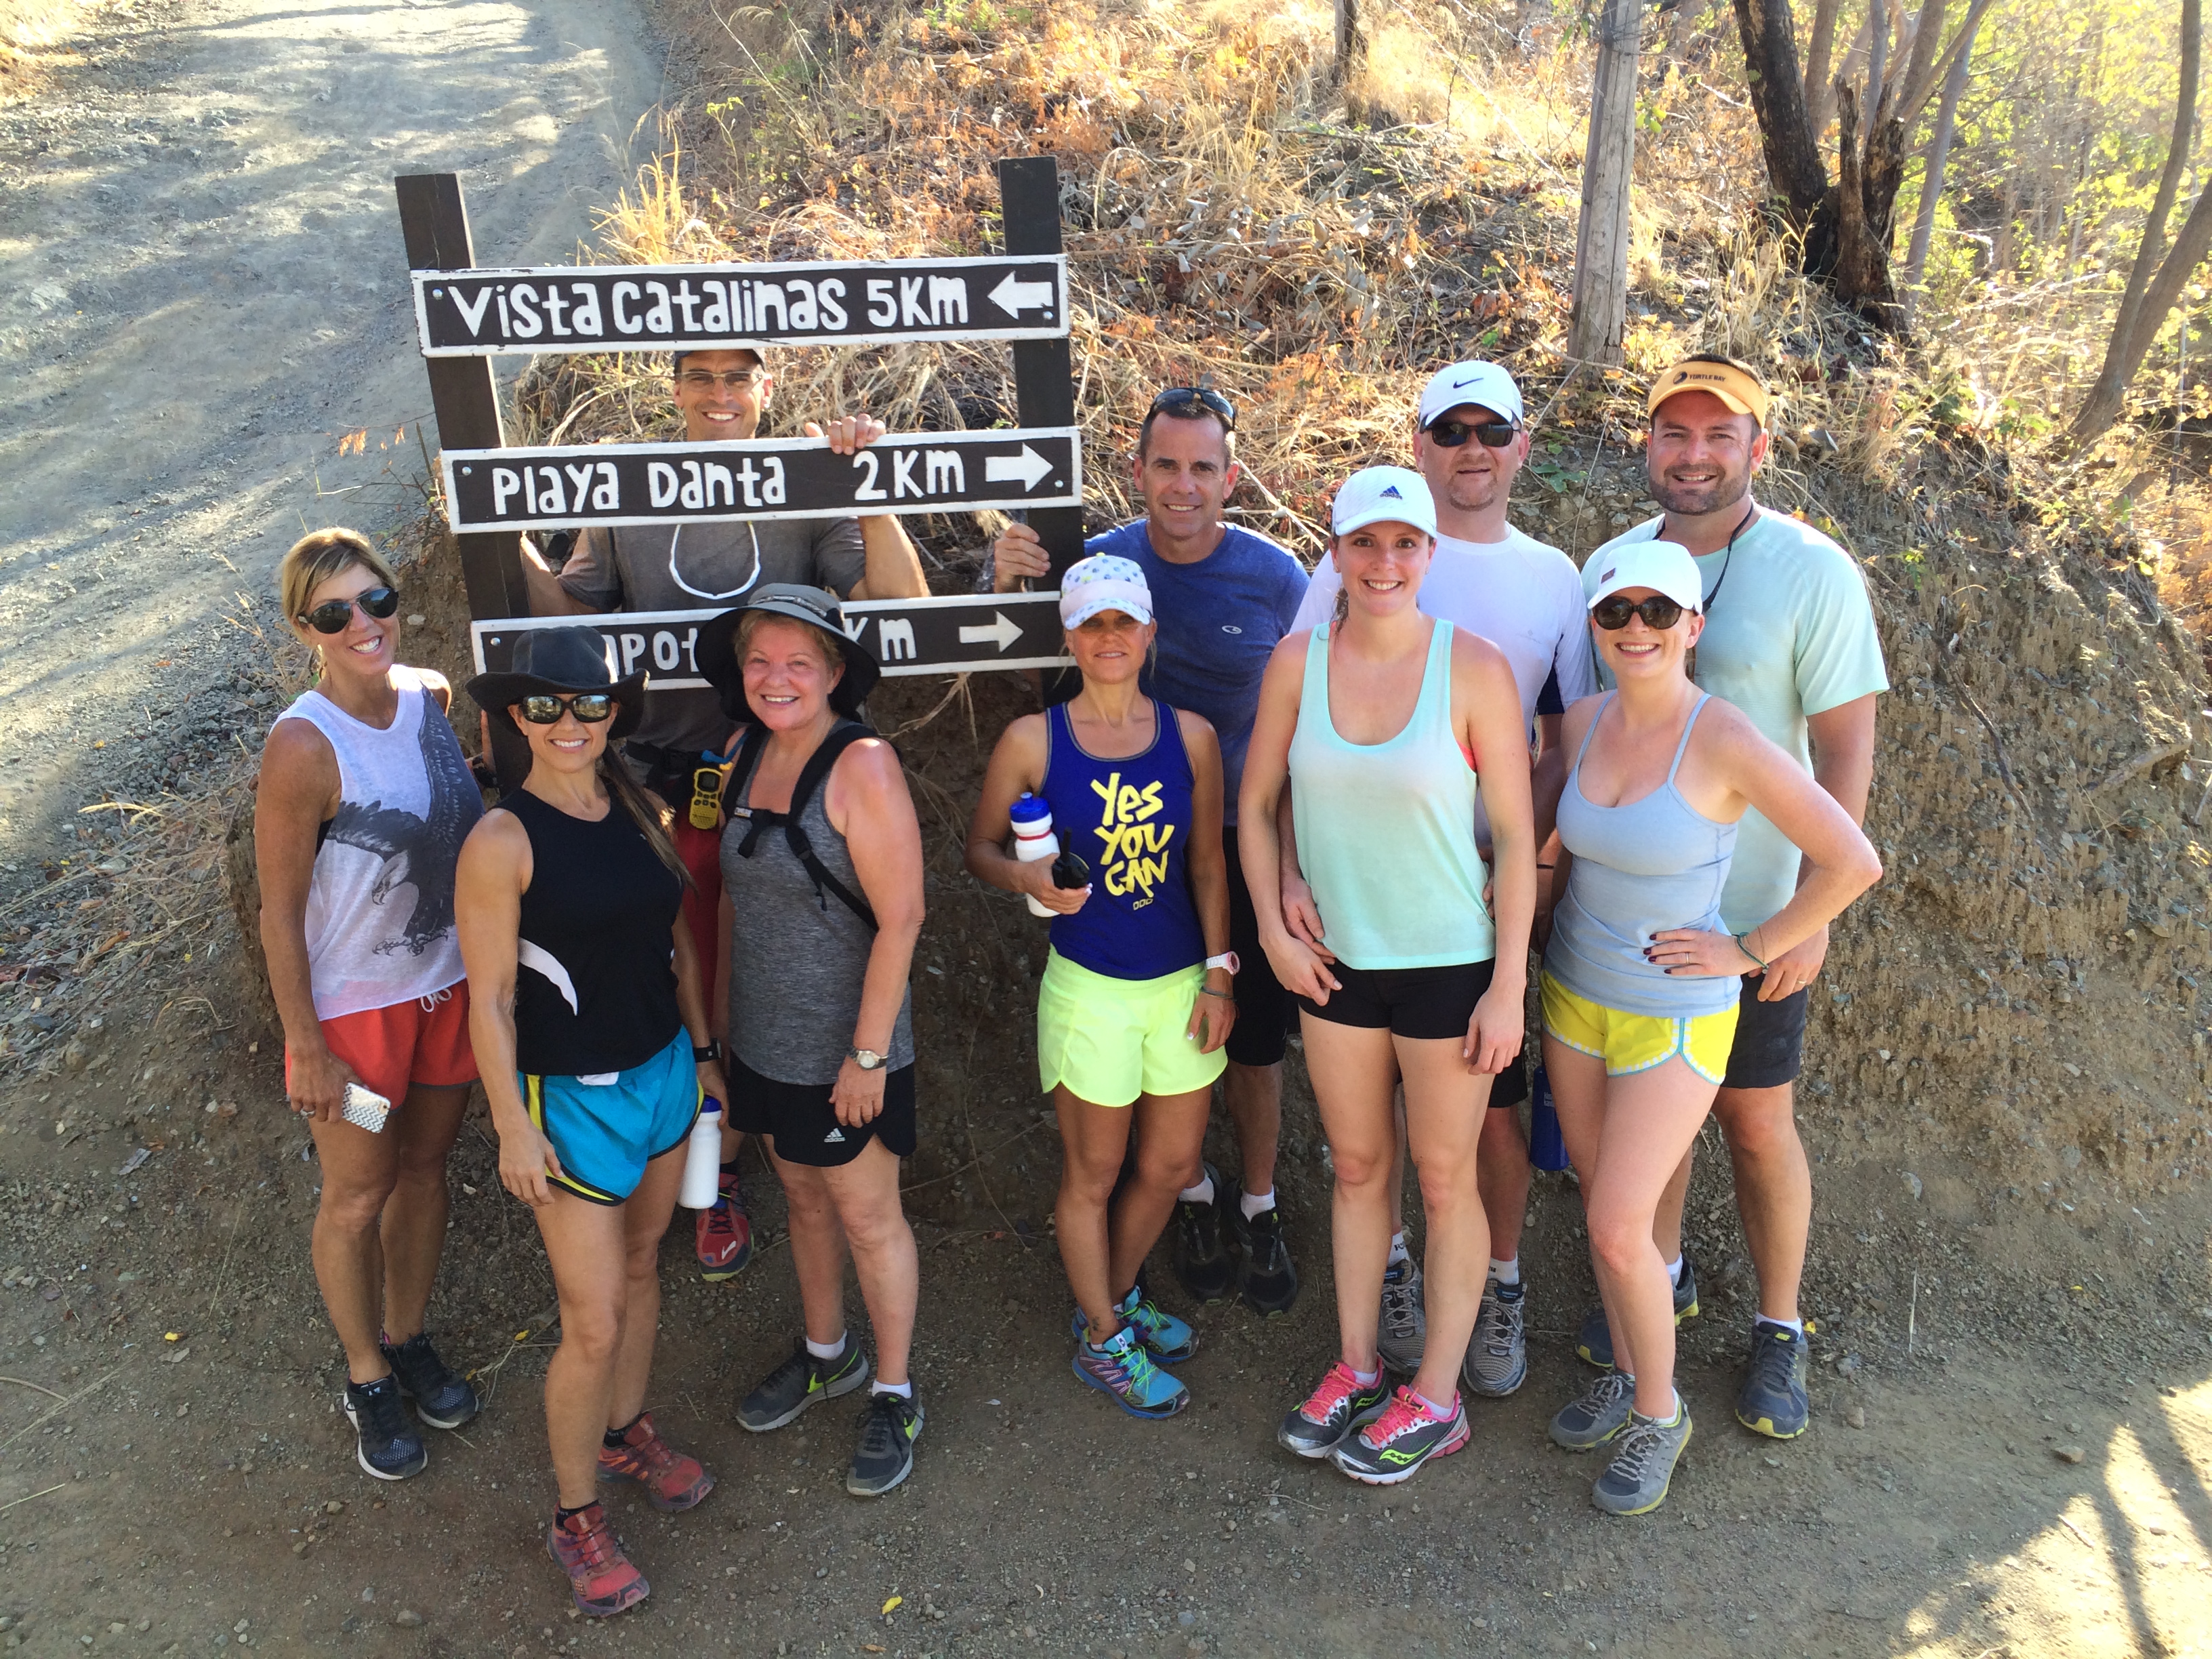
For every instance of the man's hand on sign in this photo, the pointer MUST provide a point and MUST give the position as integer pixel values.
(1016, 557)
(848, 434)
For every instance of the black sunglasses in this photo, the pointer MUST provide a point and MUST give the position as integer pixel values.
(543, 708)
(1185, 402)
(332, 615)
(1612, 612)
(1491, 434)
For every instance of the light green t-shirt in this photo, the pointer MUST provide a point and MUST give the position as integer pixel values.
(1791, 633)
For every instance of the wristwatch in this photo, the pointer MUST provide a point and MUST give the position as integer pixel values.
(1226, 960)
(867, 1059)
(713, 1051)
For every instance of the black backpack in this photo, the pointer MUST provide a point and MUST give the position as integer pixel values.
(842, 736)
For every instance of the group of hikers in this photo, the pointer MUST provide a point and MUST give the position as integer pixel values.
(1349, 803)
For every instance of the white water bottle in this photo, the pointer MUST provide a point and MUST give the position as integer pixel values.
(1033, 838)
(702, 1159)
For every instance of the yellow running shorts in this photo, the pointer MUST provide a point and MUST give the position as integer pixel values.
(1110, 1040)
(1628, 1043)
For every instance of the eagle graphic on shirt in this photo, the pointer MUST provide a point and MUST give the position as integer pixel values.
(418, 851)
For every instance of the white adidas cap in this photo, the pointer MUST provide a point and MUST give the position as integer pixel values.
(1664, 566)
(1376, 494)
(1484, 385)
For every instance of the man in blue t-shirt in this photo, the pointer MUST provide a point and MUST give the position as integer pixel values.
(1224, 599)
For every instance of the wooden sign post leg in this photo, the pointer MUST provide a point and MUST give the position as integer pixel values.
(1044, 380)
(435, 223)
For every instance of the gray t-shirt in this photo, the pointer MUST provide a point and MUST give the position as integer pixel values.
(705, 567)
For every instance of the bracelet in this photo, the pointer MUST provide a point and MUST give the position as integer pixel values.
(1746, 950)
(1208, 991)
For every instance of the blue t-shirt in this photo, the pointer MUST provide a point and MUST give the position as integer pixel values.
(1220, 621)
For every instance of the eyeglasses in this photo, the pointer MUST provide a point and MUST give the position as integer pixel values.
(1491, 434)
(737, 380)
(1187, 402)
(1612, 612)
(332, 616)
(543, 708)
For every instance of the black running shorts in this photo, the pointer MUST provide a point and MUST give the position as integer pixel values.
(1420, 1002)
(1265, 1011)
(1770, 1040)
(798, 1118)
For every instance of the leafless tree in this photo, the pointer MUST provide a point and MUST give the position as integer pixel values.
(1931, 183)
(1600, 295)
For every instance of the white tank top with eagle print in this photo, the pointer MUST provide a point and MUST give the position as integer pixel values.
(380, 903)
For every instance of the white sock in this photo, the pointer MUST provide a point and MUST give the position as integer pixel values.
(1505, 1273)
(1675, 1273)
(1672, 1417)
(1366, 1379)
(1439, 1412)
(1398, 1251)
(904, 1390)
(1254, 1203)
(826, 1350)
(1794, 1325)
(1201, 1193)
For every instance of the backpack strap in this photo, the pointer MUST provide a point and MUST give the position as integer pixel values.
(811, 777)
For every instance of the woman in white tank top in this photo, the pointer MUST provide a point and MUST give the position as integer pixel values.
(362, 804)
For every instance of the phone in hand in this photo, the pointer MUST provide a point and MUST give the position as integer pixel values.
(366, 1107)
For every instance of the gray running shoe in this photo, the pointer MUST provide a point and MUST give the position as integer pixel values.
(1636, 1481)
(800, 1381)
(1403, 1334)
(1497, 1360)
(1599, 1414)
(1595, 1342)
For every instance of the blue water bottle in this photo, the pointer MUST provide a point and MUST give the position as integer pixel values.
(1547, 1148)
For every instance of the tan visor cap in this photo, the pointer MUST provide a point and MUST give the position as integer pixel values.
(1741, 392)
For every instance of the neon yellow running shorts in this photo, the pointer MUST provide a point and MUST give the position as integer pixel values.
(1110, 1040)
(1635, 1043)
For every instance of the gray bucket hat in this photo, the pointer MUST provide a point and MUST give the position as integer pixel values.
(717, 655)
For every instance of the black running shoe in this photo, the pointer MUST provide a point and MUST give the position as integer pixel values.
(443, 1398)
(1773, 1401)
(802, 1380)
(389, 1445)
(1202, 1261)
(889, 1426)
(1271, 1281)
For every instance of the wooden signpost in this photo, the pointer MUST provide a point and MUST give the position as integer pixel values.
(466, 314)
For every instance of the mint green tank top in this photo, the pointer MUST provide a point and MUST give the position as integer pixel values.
(1386, 830)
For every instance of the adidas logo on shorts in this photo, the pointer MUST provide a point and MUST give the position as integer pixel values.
(835, 1138)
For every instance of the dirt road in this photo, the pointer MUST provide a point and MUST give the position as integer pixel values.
(201, 291)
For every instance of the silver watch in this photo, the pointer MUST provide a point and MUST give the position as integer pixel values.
(867, 1059)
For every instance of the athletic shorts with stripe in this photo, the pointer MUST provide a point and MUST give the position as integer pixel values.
(607, 1126)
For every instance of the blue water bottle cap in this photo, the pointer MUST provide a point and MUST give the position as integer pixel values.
(1028, 808)
(708, 1106)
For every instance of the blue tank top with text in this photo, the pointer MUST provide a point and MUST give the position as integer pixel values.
(1130, 819)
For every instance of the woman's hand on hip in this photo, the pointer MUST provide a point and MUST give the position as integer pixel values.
(1693, 953)
(1213, 1012)
(527, 1164)
(857, 1096)
(318, 1086)
(1494, 1033)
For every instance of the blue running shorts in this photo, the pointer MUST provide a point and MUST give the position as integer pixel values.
(605, 1130)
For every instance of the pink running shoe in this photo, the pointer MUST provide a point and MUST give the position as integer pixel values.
(1405, 1436)
(672, 1480)
(601, 1575)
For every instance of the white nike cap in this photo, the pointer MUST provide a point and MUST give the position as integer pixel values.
(1484, 384)
(1664, 566)
(1377, 494)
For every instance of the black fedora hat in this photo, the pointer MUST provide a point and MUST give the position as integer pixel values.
(717, 654)
(561, 660)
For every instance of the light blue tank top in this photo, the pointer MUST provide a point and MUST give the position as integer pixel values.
(1386, 830)
(1639, 867)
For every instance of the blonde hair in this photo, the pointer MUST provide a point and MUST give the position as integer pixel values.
(833, 655)
(314, 559)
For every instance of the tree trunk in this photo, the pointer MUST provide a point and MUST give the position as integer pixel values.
(1682, 28)
(2100, 410)
(1865, 194)
(1818, 50)
(1939, 156)
(1820, 100)
(1351, 44)
(2122, 357)
(1601, 293)
(1778, 98)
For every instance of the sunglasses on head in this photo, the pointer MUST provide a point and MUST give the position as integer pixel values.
(1187, 402)
(543, 708)
(332, 615)
(1491, 434)
(1611, 613)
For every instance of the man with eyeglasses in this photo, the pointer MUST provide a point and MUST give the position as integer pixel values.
(1223, 598)
(1470, 440)
(711, 566)
(1790, 638)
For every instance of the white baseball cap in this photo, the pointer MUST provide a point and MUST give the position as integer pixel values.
(1486, 385)
(1664, 566)
(1375, 495)
(1103, 581)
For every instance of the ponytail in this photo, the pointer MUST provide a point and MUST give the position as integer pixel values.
(651, 817)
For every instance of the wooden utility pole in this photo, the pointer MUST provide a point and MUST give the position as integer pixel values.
(1600, 295)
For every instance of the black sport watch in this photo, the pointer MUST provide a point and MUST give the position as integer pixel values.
(713, 1051)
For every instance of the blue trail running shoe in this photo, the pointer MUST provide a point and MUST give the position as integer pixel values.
(1595, 1342)
(1169, 1340)
(1122, 1367)
(1772, 1400)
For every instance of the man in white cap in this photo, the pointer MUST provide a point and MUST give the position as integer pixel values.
(1470, 440)
(1224, 598)
(1790, 638)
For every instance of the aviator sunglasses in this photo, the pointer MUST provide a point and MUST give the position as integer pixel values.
(332, 615)
(1611, 613)
(1186, 401)
(543, 708)
(1491, 434)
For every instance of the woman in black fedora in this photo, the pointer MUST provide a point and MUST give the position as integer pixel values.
(821, 902)
(592, 1035)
